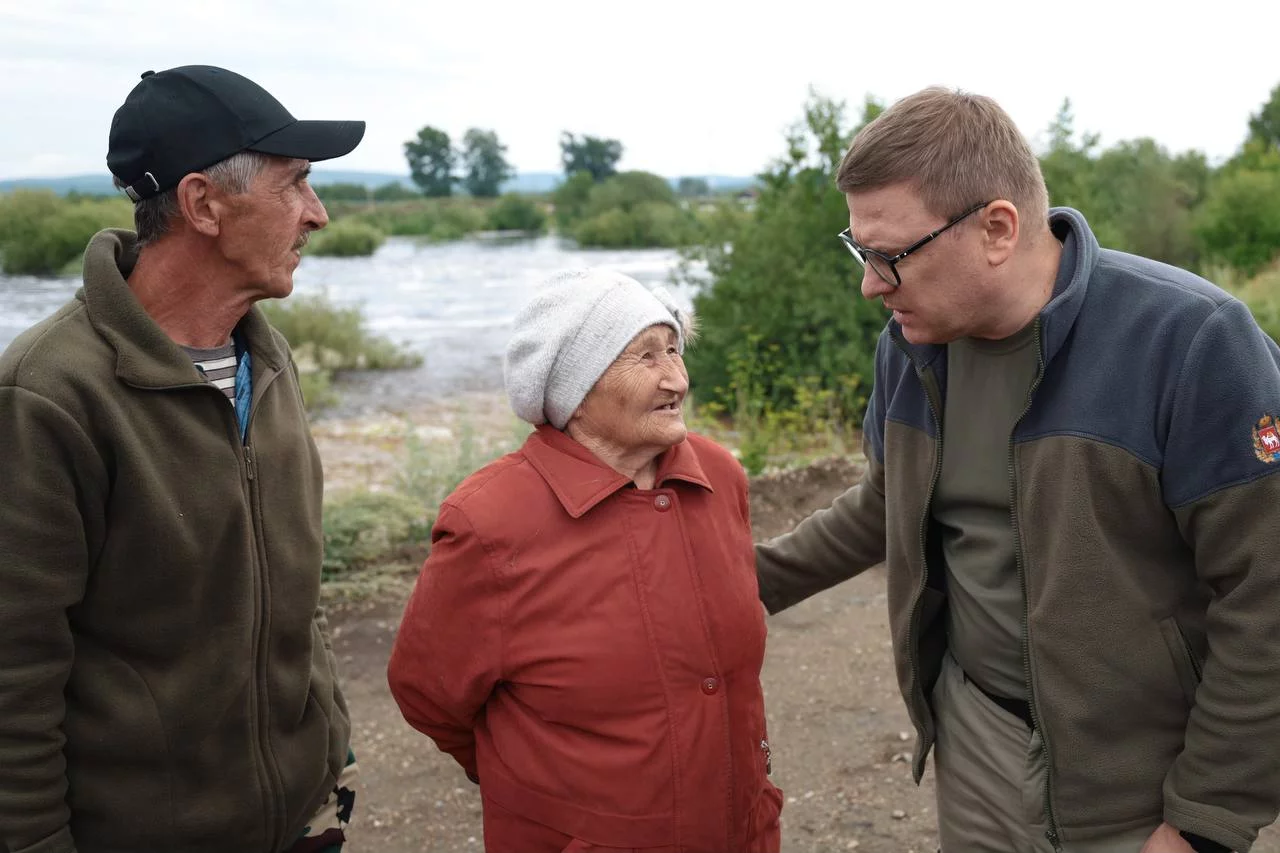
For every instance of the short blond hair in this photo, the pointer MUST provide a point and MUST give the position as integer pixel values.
(956, 148)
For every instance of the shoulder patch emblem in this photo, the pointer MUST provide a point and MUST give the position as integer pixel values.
(1266, 439)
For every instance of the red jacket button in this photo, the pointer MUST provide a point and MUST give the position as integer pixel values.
(710, 686)
(662, 503)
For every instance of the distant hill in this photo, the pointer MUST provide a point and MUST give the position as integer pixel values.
(525, 182)
(87, 184)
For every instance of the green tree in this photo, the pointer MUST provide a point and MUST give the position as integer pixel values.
(485, 162)
(431, 162)
(1239, 223)
(515, 212)
(693, 187)
(1140, 202)
(1264, 126)
(1068, 165)
(627, 190)
(635, 209)
(570, 199)
(597, 156)
(782, 321)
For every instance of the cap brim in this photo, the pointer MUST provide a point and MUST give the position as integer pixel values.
(312, 140)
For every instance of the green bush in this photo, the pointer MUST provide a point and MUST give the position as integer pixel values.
(1266, 310)
(363, 528)
(627, 210)
(395, 191)
(783, 324)
(435, 219)
(347, 238)
(514, 212)
(341, 192)
(1261, 293)
(40, 234)
(648, 224)
(1239, 223)
(626, 191)
(326, 340)
(458, 218)
(570, 199)
(432, 471)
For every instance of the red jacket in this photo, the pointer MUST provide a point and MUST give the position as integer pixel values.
(592, 652)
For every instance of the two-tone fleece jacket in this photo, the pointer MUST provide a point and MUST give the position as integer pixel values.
(166, 677)
(1146, 514)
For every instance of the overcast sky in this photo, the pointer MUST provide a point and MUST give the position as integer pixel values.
(689, 87)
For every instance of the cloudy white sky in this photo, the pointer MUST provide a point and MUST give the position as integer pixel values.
(688, 86)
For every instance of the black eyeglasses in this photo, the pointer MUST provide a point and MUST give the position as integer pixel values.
(886, 266)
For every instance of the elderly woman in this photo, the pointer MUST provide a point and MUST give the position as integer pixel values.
(586, 637)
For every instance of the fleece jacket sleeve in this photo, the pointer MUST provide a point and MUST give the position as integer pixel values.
(52, 480)
(828, 547)
(1221, 479)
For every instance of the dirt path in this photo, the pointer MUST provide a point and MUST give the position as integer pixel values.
(836, 721)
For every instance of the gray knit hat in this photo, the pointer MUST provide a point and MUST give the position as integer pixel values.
(566, 337)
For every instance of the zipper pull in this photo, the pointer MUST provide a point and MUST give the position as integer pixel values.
(249, 467)
(768, 757)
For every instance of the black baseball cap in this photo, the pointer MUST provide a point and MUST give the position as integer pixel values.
(186, 119)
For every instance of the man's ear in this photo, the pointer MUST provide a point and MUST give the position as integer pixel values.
(201, 203)
(1000, 231)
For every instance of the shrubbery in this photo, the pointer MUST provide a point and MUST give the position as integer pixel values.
(42, 234)
(785, 333)
(346, 238)
(514, 212)
(364, 528)
(435, 219)
(627, 210)
(326, 339)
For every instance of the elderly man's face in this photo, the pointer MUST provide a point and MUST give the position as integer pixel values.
(269, 223)
(637, 404)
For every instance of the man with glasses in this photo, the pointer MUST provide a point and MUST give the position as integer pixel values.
(1072, 479)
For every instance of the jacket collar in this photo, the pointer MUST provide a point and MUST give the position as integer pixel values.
(1079, 258)
(580, 480)
(145, 356)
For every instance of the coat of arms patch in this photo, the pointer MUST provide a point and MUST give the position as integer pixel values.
(1266, 439)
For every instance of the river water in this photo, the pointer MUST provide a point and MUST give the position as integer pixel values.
(451, 302)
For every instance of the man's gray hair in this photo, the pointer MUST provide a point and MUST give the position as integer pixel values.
(153, 217)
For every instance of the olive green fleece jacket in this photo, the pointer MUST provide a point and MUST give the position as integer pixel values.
(1145, 482)
(166, 677)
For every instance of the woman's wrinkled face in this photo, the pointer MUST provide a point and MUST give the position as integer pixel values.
(637, 404)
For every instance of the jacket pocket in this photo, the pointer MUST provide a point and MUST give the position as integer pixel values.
(765, 824)
(1186, 663)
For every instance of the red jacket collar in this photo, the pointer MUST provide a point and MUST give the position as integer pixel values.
(580, 480)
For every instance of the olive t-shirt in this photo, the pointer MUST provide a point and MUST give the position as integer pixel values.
(988, 383)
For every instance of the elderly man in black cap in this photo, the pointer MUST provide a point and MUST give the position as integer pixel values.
(167, 682)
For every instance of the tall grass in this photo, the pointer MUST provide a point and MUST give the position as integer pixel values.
(1261, 292)
(326, 340)
(364, 529)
